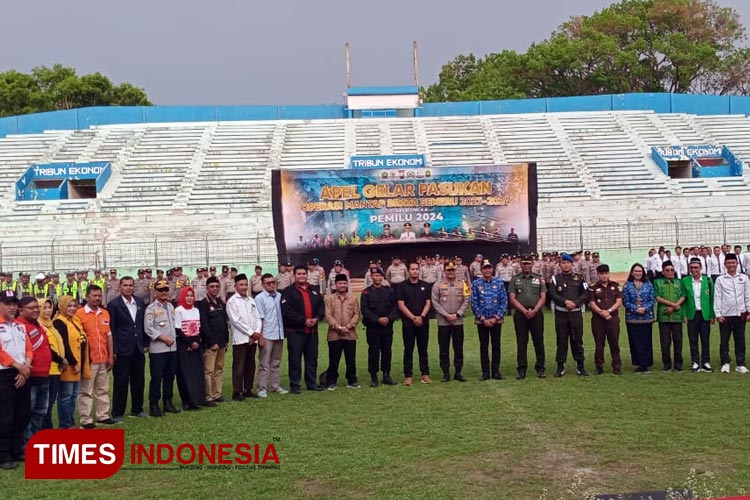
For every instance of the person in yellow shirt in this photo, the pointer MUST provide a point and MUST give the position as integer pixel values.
(59, 363)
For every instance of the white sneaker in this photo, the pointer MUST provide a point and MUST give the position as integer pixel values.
(707, 368)
(281, 390)
(725, 368)
(262, 393)
(696, 367)
(741, 369)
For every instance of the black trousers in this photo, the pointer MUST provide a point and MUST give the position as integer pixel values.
(128, 371)
(641, 346)
(670, 334)
(733, 326)
(379, 349)
(569, 328)
(609, 332)
(243, 368)
(163, 367)
(446, 334)
(534, 326)
(699, 329)
(335, 348)
(15, 414)
(420, 334)
(487, 337)
(298, 345)
(510, 310)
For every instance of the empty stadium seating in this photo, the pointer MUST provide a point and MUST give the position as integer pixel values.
(170, 179)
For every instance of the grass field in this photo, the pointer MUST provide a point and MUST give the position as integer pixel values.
(496, 439)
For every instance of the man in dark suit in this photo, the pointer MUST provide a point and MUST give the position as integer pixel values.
(126, 314)
(302, 307)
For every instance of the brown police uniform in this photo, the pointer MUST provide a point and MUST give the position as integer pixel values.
(605, 296)
(141, 289)
(451, 297)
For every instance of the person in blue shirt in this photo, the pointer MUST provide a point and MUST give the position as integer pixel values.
(489, 301)
(639, 298)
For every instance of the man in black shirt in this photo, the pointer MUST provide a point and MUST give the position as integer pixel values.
(413, 299)
(215, 335)
(378, 314)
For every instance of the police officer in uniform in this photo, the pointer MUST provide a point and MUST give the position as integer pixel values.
(98, 280)
(430, 272)
(24, 288)
(505, 272)
(83, 286)
(199, 284)
(41, 286)
(605, 299)
(141, 287)
(256, 282)
(285, 278)
(162, 349)
(396, 272)
(528, 294)
(112, 286)
(569, 293)
(147, 274)
(70, 285)
(450, 299)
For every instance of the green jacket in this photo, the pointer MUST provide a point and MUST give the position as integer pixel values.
(707, 298)
(672, 291)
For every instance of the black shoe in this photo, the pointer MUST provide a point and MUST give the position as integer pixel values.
(446, 377)
(240, 397)
(220, 399)
(209, 404)
(485, 376)
(582, 371)
(154, 410)
(295, 390)
(459, 377)
(314, 388)
(617, 372)
(373, 380)
(677, 368)
(8, 465)
(106, 421)
(169, 407)
(498, 376)
(666, 368)
(387, 380)
(560, 371)
(541, 374)
(521, 374)
(251, 394)
(89, 426)
(599, 370)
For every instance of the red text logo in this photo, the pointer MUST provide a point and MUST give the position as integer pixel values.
(75, 454)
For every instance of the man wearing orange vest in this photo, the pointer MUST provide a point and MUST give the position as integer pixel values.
(95, 321)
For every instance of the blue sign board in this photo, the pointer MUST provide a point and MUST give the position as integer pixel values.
(26, 188)
(392, 161)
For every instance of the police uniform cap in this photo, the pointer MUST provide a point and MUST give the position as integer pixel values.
(449, 265)
(224, 269)
(235, 269)
(212, 268)
(8, 297)
(602, 268)
(147, 271)
(487, 263)
(341, 277)
(586, 253)
(338, 263)
(376, 270)
(375, 262)
(160, 271)
(113, 271)
(505, 256)
(161, 285)
(408, 224)
(525, 259)
(386, 226)
(566, 257)
(426, 224)
(140, 271)
(595, 254)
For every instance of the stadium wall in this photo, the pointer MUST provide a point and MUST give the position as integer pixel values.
(75, 119)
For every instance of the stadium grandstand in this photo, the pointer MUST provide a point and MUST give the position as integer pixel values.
(167, 174)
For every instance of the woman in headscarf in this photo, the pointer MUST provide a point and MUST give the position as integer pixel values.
(74, 340)
(59, 363)
(190, 377)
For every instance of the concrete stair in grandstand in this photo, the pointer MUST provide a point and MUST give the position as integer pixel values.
(457, 141)
(531, 138)
(17, 153)
(730, 130)
(313, 144)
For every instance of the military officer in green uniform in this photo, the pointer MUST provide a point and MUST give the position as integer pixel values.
(528, 294)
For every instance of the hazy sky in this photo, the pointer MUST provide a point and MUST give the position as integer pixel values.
(272, 52)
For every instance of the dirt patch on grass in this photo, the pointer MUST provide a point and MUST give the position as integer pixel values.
(312, 487)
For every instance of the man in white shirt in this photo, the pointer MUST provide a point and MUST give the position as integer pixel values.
(746, 261)
(715, 264)
(680, 262)
(656, 261)
(246, 334)
(731, 306)
(408, 234)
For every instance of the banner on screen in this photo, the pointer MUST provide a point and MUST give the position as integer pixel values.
(331, 210)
